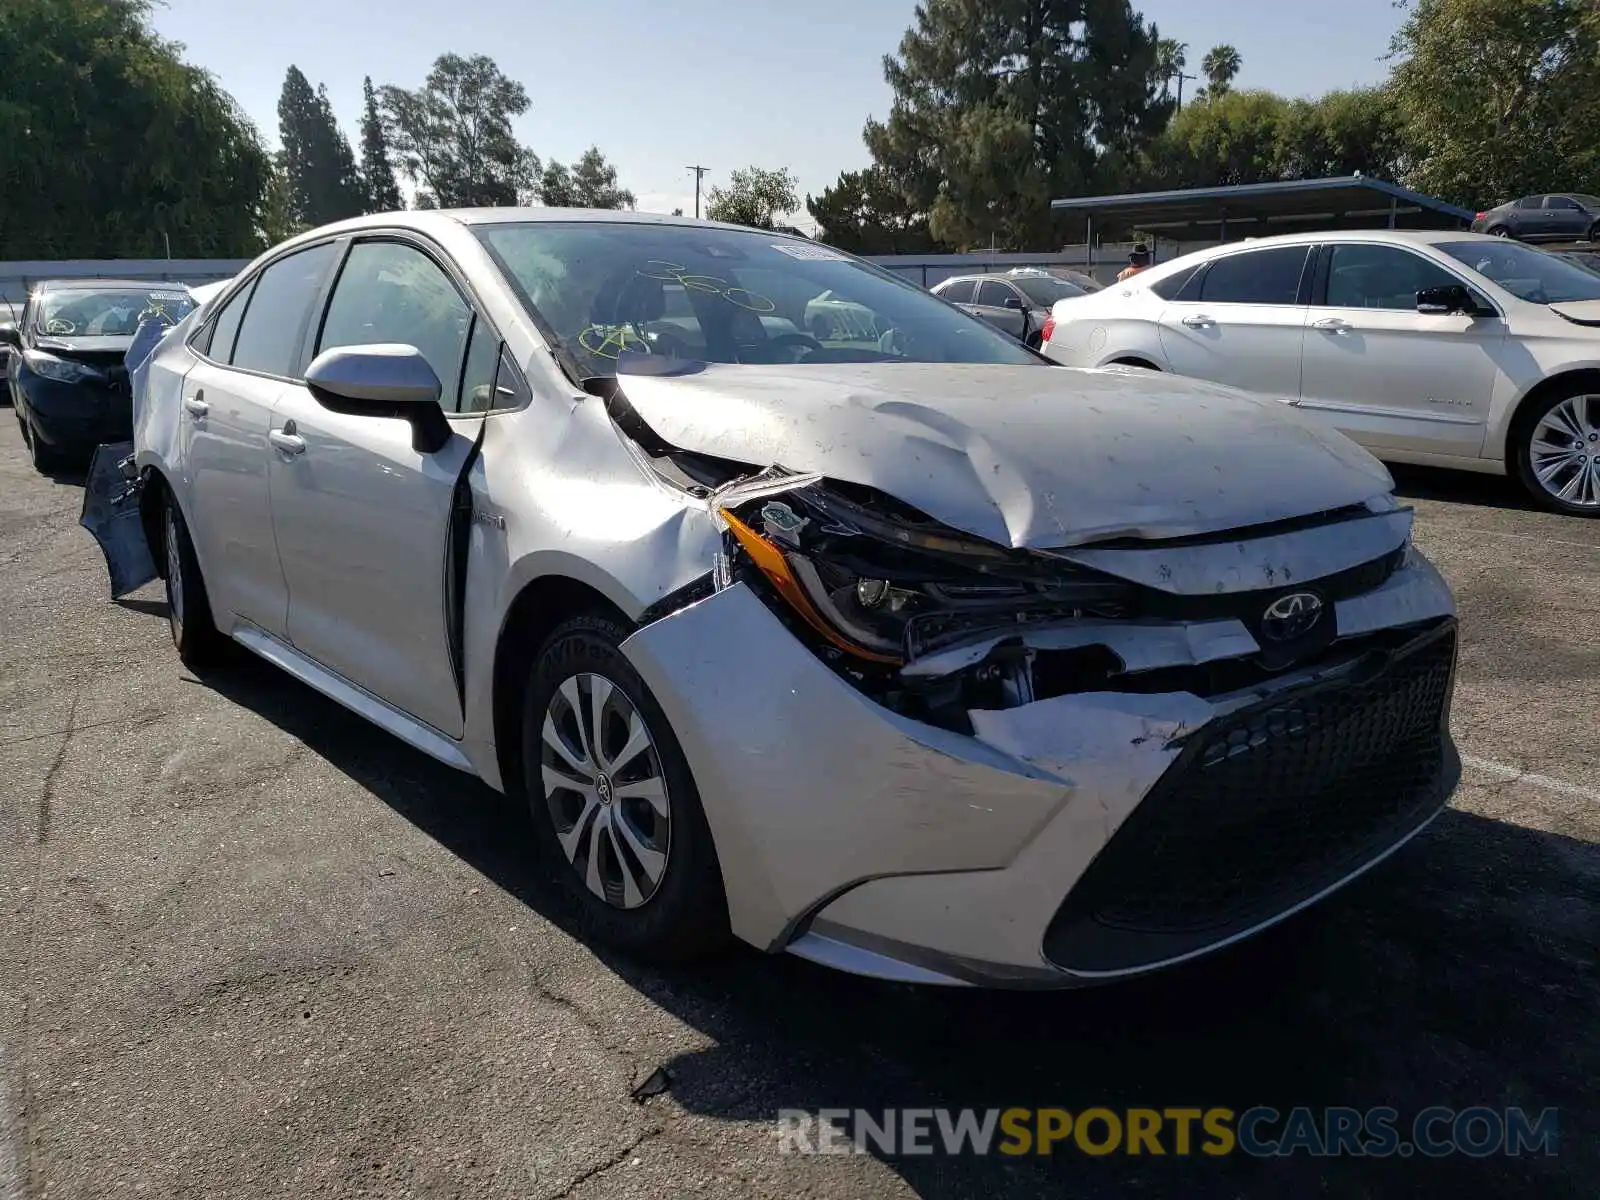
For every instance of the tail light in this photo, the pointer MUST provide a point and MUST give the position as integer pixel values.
(1047, 329)
(1482, 215)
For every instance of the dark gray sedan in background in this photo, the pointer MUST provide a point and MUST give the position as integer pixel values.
(1558, 217)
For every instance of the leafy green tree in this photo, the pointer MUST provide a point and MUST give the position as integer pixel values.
(1342, 133)
(591, 182)
(999, 108)
(111, 144)
(1499, 97)
(324, 184)
(453, 135)
(754, 197)
(278, 220)
(1220, 66)
(864, 212)
(381, 191)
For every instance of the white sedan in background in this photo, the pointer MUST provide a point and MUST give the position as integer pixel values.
(1445, 349)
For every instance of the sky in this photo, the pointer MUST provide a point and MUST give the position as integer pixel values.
(721, 83)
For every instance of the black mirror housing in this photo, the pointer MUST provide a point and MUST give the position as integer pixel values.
(1012, 302)
(10, 335)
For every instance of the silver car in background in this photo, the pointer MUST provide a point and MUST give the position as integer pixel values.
(899, 649)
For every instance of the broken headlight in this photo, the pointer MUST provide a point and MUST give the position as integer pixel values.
(889, 586)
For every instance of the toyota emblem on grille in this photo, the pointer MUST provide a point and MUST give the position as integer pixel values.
(1291, 616)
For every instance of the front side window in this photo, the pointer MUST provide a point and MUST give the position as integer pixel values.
(279, 306)
(1255, 277)
(1381, 277)
(89, 312)
(1561, 202)
(995, 295)
(603, 289)
(389, 292)
(1526, 273)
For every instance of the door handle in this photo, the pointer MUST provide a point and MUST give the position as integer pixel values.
(1198, 321)
(1331, 325)
(287, 440)
(196, 404)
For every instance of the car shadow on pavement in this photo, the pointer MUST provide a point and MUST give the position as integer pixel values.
(1460, 487)
(1459, 973)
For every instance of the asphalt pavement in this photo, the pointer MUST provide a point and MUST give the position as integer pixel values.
(251, 946)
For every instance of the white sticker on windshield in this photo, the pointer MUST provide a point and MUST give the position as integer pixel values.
(800, 250)
(169, 296)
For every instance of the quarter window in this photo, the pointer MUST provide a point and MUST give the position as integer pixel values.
(1255, 277)
(478, 376)
(1381, 277)
(389, 292)
(277, 311)
(218, 343)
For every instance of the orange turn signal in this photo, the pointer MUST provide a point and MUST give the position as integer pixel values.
(775, 567)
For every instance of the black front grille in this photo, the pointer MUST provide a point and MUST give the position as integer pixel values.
(1265, 808)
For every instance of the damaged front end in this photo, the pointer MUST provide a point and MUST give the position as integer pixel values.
(1206, 732)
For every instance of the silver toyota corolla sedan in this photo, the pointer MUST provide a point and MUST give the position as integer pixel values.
(900, 649)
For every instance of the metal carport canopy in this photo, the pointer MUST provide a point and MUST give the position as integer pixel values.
(1258, 209)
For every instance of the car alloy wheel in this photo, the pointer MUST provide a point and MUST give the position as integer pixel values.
(174, 574)
(1563, 453)
(605, 790)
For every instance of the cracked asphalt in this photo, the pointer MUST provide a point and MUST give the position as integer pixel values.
(251, 946)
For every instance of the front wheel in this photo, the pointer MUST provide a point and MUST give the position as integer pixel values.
(1557, 453)
(614, 805)
(45, 459)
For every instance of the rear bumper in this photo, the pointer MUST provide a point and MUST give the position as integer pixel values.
(1069, 841)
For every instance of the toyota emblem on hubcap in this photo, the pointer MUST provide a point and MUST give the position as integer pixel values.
(602, 785)
(1291, 616)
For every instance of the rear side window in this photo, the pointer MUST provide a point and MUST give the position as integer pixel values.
(279, 306)
(959, 292)
(994, 295)
(1169, 287)
(217, 342)
(1531, 202)
(1256, 277)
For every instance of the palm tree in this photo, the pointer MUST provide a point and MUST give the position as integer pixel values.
(1172, 57)
(1219, 66)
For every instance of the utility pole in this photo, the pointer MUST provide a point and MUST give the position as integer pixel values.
(698, 172)
(1181, 77)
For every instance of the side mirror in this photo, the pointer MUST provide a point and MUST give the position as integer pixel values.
(390, 381)
(1442, 301)
(10, 335)
(1012, 302)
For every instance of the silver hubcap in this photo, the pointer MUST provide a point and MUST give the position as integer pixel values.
(174, 577)
(1564, 451)
(604, 789)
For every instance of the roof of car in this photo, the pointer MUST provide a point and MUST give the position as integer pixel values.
(1397, 237)
(105, 285)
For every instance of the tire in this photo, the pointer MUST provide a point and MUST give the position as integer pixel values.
(194, 633)
(1499, 231)
(1594, 233)
(682, 914)
(46, 460)
(1568, 444)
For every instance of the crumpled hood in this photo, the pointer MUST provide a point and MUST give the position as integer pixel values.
(1026, 457)
(83, 344)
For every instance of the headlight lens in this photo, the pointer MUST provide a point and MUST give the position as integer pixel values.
(896, 592)
(61, 370)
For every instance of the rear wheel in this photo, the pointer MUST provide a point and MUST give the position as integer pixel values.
(1557, 452)
(1499, 231)
(1594, 232)
(613, 802)
(188, 607)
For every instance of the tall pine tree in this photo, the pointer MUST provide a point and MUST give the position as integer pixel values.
(1003, 106)
(377, 168)
(321, 171)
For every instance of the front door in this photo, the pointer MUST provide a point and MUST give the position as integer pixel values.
(363, 519)
(1001, 305)
(1388, 376)
(1241, 322)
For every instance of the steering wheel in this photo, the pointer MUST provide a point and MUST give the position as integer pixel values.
(60, 326)
(802, 343)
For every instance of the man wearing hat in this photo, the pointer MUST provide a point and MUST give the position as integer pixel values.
(1138, 261)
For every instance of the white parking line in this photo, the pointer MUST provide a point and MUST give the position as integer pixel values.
(1518, 775)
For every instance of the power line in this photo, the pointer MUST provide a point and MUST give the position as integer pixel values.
(698, 172)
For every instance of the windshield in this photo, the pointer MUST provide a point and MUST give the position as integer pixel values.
(1526, 273)
(116, 313)
(1046, 290)
(727, 296)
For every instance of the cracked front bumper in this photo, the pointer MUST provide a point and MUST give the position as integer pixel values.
(1013, 857)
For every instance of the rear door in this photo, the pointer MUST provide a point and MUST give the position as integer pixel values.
(1383, 373)
(363, 520)
(245, 355)
(1241, 319)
